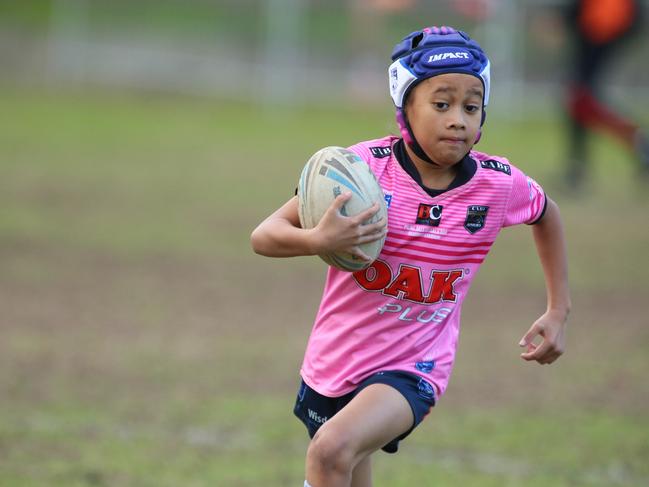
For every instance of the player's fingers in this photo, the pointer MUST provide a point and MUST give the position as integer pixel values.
(551, 355)
(541, 353)
(370, 237)
(546, 360)
(529, 336)
(340, 201)
(356, 252)
(377, 227)
(366, 214)
(529, 353)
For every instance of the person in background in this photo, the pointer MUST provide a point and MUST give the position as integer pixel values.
(600, 28)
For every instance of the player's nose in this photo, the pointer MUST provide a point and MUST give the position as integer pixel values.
(455, 119)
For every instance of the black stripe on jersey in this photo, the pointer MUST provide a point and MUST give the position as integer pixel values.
(545, 207)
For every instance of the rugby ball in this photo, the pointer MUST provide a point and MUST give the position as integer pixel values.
(327, 174)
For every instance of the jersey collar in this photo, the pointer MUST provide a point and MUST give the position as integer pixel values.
(467, 167)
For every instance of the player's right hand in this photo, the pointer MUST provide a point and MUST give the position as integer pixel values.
(336, 232)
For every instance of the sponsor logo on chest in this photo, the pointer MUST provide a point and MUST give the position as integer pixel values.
(410, 283)
(476, 216)
(430, 215)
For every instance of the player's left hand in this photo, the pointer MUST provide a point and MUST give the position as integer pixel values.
(550, 328)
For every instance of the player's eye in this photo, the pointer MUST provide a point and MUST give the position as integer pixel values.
(472, 108)
(440, 105)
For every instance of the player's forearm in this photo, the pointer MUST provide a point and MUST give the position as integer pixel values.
(280, 235)
(551, 247)
(276, 237)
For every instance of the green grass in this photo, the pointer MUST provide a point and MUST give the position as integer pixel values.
(141, 342)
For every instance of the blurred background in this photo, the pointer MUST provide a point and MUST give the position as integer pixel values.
(285, 51)
(142, 343)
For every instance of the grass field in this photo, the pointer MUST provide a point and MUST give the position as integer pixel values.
(143, 344)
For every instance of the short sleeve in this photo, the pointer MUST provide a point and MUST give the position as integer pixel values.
(527, 200)
(363, 152)
(375, 153)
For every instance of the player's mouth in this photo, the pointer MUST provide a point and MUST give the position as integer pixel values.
(453, 140)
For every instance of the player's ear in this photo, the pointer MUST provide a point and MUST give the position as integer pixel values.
(403, 126)
(484, 117)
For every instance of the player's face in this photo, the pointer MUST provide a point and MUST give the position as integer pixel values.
(444, 113)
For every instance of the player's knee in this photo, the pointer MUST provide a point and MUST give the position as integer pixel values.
(331, 450)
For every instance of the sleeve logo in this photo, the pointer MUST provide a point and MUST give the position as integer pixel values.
(497, 166)
(381, 152)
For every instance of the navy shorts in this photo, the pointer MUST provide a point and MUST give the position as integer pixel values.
(313, 409)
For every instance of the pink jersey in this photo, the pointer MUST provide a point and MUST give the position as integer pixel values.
(403, 312)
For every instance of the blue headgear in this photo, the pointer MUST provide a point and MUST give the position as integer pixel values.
(430, 52)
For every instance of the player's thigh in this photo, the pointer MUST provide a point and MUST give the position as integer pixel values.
(378, 414)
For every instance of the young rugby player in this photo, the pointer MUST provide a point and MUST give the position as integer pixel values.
(383, 344)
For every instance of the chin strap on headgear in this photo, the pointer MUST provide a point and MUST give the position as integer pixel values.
(430, 52)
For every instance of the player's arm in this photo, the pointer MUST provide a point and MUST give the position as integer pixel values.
(280, 235)
(551, 247)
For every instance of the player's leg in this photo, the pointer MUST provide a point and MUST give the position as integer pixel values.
(578, 160)
(376, 416)
(362, 473)
(588, 105)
